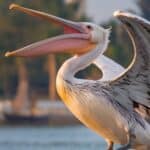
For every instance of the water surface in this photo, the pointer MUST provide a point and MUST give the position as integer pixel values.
(49, 138)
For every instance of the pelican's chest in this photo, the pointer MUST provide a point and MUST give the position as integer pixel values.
(89, 105)
(68, 93)
(79, 98)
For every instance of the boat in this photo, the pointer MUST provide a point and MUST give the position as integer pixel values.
(11, 118)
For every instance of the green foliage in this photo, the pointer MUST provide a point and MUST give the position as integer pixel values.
(17, 30)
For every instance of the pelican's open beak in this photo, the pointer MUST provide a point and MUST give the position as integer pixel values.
(75, 40)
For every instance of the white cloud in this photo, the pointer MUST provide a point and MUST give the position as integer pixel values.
(102, 10)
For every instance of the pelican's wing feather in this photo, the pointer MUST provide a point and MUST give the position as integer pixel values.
(110, 69)
(132, 88)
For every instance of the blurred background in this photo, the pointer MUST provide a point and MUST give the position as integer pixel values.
(31, 113)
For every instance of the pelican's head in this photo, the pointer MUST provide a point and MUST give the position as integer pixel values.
(98, 34)
(78, 37)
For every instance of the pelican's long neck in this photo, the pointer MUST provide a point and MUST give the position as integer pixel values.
(77, 63)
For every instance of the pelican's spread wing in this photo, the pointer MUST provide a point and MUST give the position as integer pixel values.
(110, 69)
(132, 88)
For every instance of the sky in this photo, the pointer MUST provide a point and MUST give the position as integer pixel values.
(102, 10)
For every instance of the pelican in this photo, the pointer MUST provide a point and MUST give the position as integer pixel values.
(118, 107)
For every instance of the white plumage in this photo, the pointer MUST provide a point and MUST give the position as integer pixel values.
(110, 69)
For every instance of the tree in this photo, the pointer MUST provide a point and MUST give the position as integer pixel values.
(17, 30)
(66, 11)
(22, 95)
(52, 76)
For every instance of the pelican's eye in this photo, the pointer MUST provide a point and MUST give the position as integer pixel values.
(89, 27)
